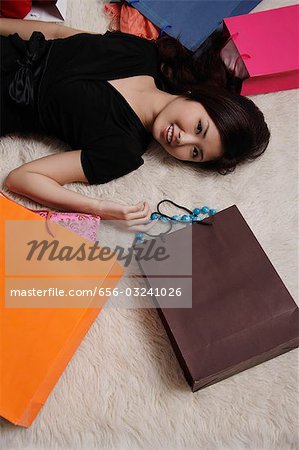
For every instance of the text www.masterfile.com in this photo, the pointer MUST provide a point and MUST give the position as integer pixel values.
(53, 292)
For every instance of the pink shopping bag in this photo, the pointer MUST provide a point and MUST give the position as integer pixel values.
(267, 42)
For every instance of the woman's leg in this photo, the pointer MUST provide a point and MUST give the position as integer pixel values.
(25, 28)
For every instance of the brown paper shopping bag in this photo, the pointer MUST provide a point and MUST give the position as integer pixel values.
(233, 312)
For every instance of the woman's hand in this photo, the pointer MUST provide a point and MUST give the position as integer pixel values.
(135, 217)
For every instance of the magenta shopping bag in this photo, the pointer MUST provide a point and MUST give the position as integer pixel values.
(267, 42)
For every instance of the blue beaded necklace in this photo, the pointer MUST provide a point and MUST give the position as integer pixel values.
(192, 217)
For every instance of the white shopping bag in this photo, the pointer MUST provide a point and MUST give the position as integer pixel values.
(48, 13)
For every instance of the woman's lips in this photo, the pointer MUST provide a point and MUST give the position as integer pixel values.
(165, 132)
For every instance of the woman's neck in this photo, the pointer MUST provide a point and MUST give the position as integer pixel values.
(144, 97)
(152, 102)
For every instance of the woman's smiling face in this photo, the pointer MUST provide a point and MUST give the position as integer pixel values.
(186, 131)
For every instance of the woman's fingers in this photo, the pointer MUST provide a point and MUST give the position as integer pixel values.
(143, 212)
(133, 209)
(141, 220)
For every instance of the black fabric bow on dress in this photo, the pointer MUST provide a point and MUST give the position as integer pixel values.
(21, 88)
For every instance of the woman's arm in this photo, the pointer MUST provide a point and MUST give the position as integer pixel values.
(41, 180)
(25, 28)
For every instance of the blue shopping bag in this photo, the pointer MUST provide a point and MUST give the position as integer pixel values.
(191, 21)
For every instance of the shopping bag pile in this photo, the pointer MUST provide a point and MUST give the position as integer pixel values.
(263, 51)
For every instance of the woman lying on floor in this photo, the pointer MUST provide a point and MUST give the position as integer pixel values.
(107, 96)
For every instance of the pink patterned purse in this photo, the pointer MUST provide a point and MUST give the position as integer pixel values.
(85, 225)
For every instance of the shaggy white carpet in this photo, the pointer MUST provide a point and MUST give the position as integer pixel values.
(124, 388)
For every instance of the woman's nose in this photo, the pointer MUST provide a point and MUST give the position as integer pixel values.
(183, 138)
(178, 138)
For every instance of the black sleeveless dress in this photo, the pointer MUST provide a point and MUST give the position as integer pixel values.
(59, 87)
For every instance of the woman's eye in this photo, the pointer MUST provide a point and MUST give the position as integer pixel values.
(199, 127)
(195, 152)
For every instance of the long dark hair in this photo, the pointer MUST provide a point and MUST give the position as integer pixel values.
(243, 131)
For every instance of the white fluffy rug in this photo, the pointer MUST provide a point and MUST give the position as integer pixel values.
(124, 388)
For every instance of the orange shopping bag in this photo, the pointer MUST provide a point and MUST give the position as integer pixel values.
(39, 334)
